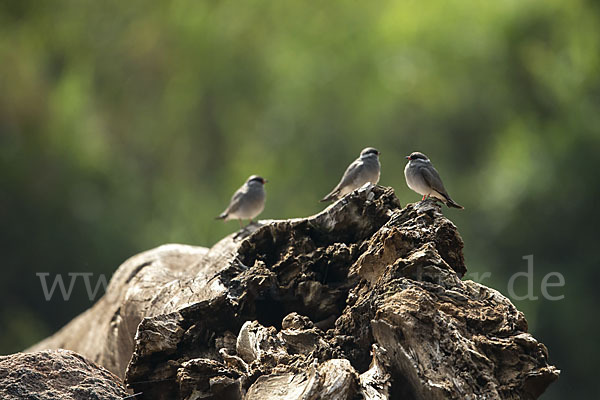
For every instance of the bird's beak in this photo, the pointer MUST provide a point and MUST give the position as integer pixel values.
(407, 157)
(265, 181)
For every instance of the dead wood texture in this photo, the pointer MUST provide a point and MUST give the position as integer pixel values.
(363, 300)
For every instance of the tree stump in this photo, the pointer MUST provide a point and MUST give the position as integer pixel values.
(364, 299)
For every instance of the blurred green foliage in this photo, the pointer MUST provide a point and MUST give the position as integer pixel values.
(129, 124)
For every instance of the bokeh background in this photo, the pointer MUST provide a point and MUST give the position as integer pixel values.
(128, 124)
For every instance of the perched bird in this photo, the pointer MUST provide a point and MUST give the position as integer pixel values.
(247, 202)
(424, 179)
(362, 170)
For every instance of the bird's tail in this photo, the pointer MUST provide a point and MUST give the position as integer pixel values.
(452, 203)
(330, 196)
(223, 215)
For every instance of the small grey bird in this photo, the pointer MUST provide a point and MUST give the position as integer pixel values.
(362, 170)
(247, 202)
(424, 179)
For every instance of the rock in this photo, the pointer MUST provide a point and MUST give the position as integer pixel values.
(60, 374)
(364, 299)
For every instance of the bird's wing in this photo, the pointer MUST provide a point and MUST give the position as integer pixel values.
(432, 177)
(350, 174)
(234, 204)
(347, 178)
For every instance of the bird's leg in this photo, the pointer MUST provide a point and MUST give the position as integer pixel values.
(423, 197)
(240, 221)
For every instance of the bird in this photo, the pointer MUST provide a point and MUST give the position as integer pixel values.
(362, 170)
(247, 202)
(424, 179)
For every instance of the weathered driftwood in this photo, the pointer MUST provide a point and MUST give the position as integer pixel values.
(364, 298)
